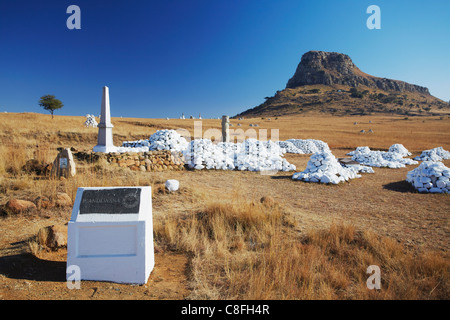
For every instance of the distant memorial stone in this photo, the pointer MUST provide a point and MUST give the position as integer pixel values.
(63, 165)
(225, 129)
(110, 234)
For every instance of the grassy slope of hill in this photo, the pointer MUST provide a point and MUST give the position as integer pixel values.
(343, 100)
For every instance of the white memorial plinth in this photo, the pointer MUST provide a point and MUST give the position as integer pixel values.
(110, 234)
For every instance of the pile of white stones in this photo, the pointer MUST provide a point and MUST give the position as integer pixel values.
(430, 176)
(251, 155)
(134, 146)
(394, 158)
(160, 140)
(324, 168)
(359, 168)
(90, 121)
(289, 147)
(167, 140)
(257, 155)
(399, 149)
(436, 154)
(359, 150)
(304, 146)
(204, 154)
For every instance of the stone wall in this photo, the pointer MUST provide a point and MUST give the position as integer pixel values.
(137, 161)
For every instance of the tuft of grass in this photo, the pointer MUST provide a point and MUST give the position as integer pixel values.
(245, 250)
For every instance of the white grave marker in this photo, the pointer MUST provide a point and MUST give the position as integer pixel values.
(110, 234)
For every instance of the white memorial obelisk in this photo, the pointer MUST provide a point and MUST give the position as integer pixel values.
(105, 139)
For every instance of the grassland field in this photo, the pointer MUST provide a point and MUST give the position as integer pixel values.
(214, 237)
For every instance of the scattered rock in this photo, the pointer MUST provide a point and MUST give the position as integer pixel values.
(53, 237)
(172, 185)
(34, 166)
(62, 200)
(42, 202)
(267, 201)
(17, 206)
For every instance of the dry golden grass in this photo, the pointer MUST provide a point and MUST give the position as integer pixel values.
(415, 133)
(245, 250)
(239, 248)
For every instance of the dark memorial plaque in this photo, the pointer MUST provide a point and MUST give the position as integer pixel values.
(63, 163)
(111, 201)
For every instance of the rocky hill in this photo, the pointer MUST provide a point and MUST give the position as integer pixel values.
(330, 82)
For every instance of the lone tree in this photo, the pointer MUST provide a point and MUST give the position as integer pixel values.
(50, 103)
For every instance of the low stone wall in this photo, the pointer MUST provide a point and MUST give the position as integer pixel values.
(163, 160)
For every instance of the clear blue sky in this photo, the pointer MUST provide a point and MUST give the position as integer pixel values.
(214, 57)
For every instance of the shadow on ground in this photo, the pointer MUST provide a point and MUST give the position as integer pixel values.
(28, 267)
(400, 186)
(281, 177)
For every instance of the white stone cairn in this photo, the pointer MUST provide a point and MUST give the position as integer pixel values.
(289, 147)
(325, 168)
(304, 146)
(436, 154)
(160, 140)
(359, 168)
(400, 149)
(430, 177)
(90, 121)
(250, 155)
(394, 158)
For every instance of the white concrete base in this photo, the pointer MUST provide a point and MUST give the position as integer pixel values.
(114, 251)
(104, 149)
(112, 247)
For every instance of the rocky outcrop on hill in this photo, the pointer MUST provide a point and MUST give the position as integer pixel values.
(332, 68)
(330, 83)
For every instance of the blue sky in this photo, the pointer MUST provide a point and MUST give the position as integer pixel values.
(214, 57)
